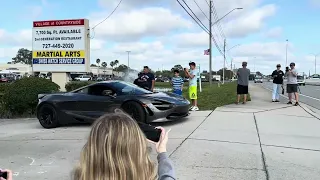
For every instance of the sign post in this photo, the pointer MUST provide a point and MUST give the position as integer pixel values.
(199, 76)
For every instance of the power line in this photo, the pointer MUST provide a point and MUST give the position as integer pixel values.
(200, 24)
(194, 14)
(114, 10)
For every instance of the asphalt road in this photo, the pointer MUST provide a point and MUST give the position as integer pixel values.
(309, 94)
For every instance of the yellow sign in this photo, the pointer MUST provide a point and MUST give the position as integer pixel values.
(58, 54)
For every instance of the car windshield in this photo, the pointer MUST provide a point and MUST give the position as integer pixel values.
(127, 88)
(300, 77)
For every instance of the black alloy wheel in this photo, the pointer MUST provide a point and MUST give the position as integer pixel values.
(47, 116)
(135, 110)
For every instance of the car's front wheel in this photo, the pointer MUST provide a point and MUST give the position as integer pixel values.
(47, 116)
(135, 110)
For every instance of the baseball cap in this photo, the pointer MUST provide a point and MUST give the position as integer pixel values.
(244, 63)
(278, 65)
(192, 64)
(292, 64)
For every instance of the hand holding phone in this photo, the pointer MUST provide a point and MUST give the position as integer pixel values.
(152, 133)
(161, 146)
(5, 174)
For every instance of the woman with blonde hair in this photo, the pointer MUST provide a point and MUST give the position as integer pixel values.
(117, 150)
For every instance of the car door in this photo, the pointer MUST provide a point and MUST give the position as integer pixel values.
(94, 103)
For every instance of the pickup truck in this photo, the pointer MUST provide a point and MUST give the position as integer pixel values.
(301, 80)
(83, 78)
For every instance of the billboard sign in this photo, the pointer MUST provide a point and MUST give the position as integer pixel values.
(61, 46)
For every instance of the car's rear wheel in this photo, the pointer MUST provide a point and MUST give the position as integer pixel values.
(47, 116)
(135, 110)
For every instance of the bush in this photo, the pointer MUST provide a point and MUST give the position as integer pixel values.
(70, 86)
(21, 96)
(3, 86)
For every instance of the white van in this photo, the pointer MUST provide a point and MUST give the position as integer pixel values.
(301, 80)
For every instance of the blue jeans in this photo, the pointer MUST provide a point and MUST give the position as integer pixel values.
(177, 91)
(276, 91)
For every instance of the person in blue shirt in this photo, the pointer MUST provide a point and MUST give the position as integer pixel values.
(177, 83)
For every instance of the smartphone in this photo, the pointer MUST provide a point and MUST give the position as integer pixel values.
(151, 132)
(3, 175)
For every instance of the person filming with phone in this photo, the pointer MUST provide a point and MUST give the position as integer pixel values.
(117, 150)
(292, 84)
(277, 76)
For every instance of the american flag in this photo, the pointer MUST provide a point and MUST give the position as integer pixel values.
(207, 52)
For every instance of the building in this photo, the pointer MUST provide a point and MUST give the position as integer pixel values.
(24, 69)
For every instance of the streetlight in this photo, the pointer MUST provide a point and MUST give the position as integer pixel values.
(226, 15)
(286, 53)
(231, 59)
(128, 60)
(315, 62)
(210, 36)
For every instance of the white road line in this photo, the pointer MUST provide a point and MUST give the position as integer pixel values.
(299, 94)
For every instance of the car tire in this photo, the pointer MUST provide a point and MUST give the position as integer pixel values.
(47, 116)
(135, 110)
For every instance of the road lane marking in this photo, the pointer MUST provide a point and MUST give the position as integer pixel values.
(299, 94)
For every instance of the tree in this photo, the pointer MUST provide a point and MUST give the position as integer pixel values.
(98, 61)
(121, 68)
(93, 65)
(104, 65)
(178, 66)
(227, 73)
(116, 62)
(23, 56)
(259, 73)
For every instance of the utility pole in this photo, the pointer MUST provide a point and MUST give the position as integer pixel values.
(231, 72)
(315, 64)
(210, 42)
(224, 60)
(128, 61)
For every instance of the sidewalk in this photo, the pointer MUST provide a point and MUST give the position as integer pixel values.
(257, 141)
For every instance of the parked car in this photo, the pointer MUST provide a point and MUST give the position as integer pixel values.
(83, 78)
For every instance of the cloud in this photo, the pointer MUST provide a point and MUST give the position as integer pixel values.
(137, 24)
(274, 33)
(250, 22)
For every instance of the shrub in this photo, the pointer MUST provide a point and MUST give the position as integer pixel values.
(3, 86)
(70, 86)
(21, 96)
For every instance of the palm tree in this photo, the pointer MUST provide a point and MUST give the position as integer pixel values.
(104, 65)
(112, 64)
(98, 62)
(116, 62)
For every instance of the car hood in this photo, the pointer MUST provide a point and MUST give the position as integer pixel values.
(167, 96)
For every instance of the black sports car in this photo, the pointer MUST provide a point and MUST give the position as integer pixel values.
(86, 104)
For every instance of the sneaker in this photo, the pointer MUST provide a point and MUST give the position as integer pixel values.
(191, 108)
(195, 108)
(276, 101)
(296, 104)
(244, 102)
(273, 101)
(289, 102)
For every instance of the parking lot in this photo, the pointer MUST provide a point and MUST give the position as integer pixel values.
(33, 152)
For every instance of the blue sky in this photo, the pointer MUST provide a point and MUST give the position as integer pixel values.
(159, 33)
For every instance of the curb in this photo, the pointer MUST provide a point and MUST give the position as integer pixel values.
(302, 105)
(312, 84)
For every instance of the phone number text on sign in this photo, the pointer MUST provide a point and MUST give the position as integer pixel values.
(58, 61)
(59, 38)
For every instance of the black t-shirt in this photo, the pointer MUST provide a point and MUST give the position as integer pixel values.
(145, 80)
(277, 76)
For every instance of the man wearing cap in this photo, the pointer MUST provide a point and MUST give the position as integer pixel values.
(193, 88)
(243, 82)
(292, 83)
(277, 76)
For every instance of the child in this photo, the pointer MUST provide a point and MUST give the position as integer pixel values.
(177, 83)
